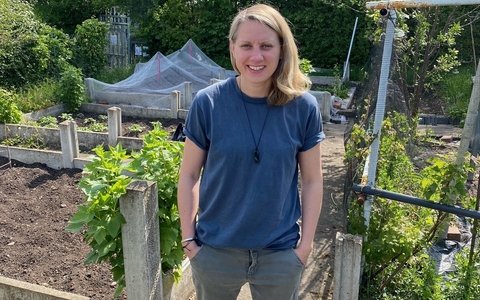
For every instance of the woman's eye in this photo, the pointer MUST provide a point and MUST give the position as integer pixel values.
(245, 46)
(266, 46)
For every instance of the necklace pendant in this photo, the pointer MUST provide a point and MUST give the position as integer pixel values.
(256, 156)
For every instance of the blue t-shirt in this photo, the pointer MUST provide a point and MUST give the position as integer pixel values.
(244, 204)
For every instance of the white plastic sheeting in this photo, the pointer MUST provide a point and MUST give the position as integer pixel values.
(152, 82)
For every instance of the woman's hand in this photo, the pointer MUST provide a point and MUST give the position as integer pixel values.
(303, 252)
(191, 250)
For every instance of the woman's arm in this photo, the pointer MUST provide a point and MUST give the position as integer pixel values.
(188, 192)
(310, 163)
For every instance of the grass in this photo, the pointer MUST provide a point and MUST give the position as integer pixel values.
(37, 97)
(115, 75)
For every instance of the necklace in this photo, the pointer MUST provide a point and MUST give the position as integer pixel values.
(256, 153)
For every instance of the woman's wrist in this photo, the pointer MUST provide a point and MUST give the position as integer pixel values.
(189, 239)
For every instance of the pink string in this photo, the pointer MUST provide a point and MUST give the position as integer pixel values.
(158, 68)
(190, 51)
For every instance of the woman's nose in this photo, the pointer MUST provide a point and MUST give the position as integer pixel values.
(257, 54)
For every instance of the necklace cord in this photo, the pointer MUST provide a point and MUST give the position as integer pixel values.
(256, 153)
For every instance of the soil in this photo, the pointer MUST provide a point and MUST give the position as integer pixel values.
(36, 203)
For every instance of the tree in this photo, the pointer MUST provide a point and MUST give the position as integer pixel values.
(167, 27)
(426, 51)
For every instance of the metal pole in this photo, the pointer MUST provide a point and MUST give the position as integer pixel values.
(349, 49)
(457, 210)
(380, 110)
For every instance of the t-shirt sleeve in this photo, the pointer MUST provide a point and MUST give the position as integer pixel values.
(314, 126)
(196, 127)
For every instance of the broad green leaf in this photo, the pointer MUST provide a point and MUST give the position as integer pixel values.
(99, 235)
(82, 216)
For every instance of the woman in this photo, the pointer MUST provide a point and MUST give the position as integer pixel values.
(247, 138)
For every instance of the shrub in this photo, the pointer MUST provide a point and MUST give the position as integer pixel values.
(30, 50)
(71, 90)
(9, 112)
(105, 182)
(89, 47)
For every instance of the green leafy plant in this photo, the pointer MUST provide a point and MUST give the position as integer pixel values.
(84, 128)
(98, 127)
(71, 90)
(37, 96)
(464, 283)
(399, 234)
(31, 50)
(89, 121)
(66, 117)
(136, 128)
(34, 141)
(48, 121)
(89, 47)
(455, 89)
(306, 66)
(9, 113)
(105, 182)
(338, 87)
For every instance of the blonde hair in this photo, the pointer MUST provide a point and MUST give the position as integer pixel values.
(288, 81)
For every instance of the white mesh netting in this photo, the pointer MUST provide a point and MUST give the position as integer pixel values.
(152, 82)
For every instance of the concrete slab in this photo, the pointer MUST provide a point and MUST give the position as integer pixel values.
(440, 130)
(13, 289)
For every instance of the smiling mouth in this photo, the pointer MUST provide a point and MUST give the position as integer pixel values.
(256, 68)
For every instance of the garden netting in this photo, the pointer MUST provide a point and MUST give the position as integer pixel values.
(161, 75)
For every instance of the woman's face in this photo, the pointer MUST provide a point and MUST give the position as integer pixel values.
(257, 52)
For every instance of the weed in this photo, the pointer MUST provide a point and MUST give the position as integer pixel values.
(136, 128)
(103, 117)
(66, 117)
(89, 121)
(48, 121)
(98, 127)
(35, 141)
(83, 128)
(37, 97)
